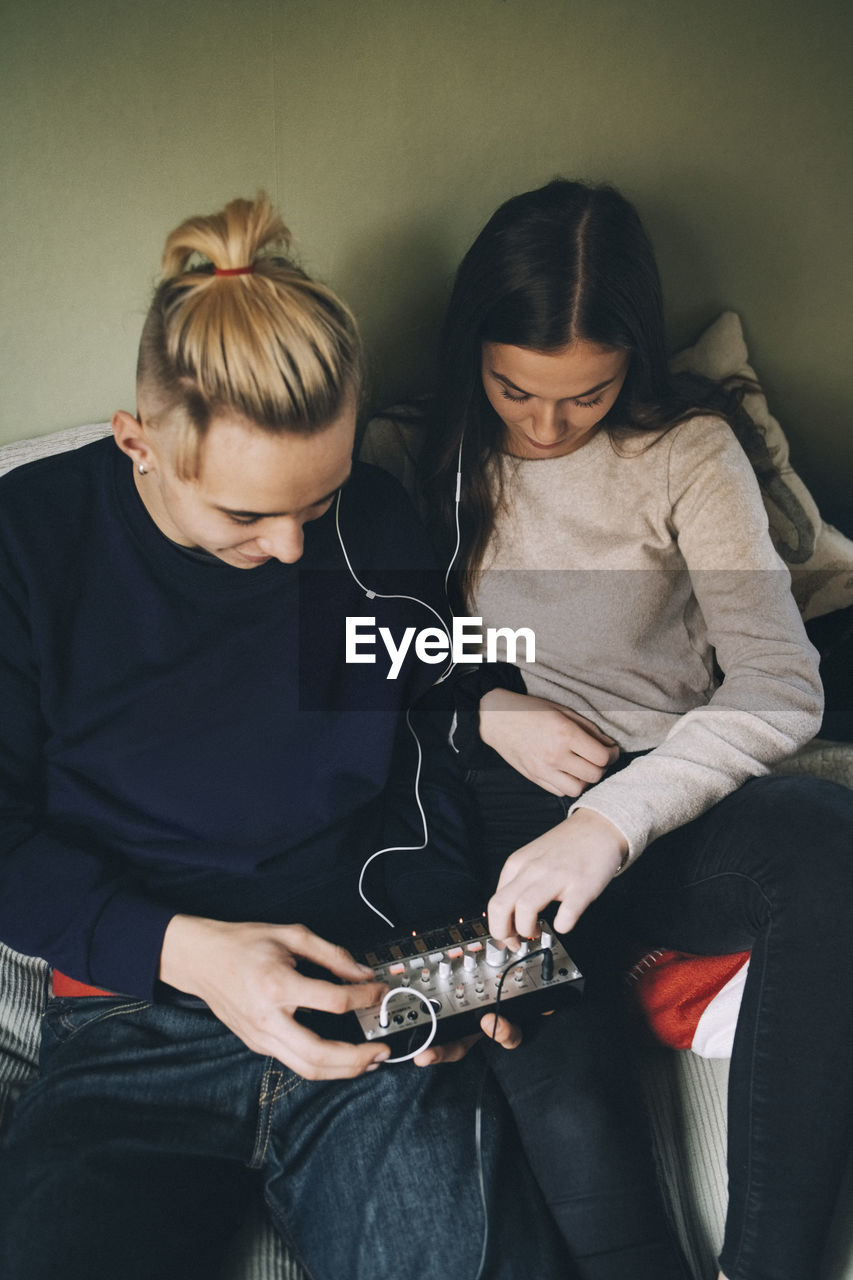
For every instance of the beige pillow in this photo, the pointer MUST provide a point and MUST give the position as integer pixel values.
(818, 555)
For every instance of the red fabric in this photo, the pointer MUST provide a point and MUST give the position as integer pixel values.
(673, 989)
(65, 986)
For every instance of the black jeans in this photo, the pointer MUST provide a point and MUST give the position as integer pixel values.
(769, 868)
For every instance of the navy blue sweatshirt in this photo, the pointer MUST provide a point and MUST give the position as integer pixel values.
(181, 735)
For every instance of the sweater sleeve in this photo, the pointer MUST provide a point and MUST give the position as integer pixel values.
(769, 701)
(60, 897)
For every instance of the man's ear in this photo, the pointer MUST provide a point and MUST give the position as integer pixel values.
(132, 438)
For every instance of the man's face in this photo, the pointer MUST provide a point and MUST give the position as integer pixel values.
(254, 490)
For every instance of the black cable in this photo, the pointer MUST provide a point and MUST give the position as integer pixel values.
(547, 963)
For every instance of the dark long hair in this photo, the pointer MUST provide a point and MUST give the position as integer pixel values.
(565, 262)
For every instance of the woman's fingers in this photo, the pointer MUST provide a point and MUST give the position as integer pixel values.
(453, 1051)
(554, 747)
(570, 864)
(497, 1028)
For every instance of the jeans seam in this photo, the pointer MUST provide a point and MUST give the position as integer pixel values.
(742, 1248)
(272, 1089)
(68, 1025)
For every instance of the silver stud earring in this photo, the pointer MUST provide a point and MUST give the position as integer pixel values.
(143, 470)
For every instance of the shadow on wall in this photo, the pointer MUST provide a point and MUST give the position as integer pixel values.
(740, 255)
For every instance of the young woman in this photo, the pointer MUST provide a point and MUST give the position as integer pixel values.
(609, 507)
(191, 779)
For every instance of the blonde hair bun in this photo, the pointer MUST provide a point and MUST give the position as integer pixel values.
(234, 238)
(270, 343)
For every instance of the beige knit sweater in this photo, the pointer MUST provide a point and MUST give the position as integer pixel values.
(636, 563)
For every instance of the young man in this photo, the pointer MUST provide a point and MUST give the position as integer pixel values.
(193, 780)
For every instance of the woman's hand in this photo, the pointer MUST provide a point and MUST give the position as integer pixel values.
(570, 864)
(498, 1029)
(558, 749)
(246, 974)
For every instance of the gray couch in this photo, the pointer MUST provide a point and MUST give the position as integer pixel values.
(686, 1094)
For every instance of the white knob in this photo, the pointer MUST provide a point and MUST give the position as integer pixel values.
(495, 955)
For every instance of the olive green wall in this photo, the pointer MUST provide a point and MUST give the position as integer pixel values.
(387, 130)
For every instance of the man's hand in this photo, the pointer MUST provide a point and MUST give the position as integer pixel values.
(570, 864)
(246, 974)
(558, 749)
(502, 1032)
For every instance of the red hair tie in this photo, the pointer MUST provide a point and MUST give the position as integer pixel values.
(235, 271)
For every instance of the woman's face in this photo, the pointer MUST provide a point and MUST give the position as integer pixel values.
(254, 491)
(551, 403)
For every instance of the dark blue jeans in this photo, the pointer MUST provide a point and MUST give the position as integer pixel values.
(133, 1155)
(769, 868)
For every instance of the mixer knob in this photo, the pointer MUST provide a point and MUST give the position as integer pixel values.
(495, 955)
